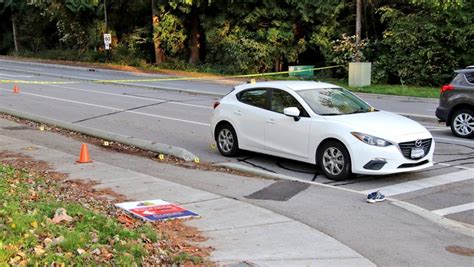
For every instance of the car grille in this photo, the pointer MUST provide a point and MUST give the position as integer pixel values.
(406, 147)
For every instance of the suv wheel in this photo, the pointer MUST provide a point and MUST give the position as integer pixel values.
(334, 160)
(462, 123)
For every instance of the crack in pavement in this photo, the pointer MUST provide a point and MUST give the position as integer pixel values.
(120, 111)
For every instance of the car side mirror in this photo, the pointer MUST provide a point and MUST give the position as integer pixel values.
(292, 112)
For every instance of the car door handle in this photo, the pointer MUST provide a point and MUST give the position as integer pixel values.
(271, 121)
(238, 112)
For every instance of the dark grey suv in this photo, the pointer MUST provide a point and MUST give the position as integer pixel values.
(456, 103)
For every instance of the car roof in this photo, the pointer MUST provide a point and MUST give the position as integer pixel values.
(293, 85)
(468, 69)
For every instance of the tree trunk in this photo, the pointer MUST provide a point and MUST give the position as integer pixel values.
(278, 64)
(358, 26)
(159, 54)
(194, 42)
(15, 40)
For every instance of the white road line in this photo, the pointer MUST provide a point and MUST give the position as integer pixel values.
(454, 166)
(454, 140)
(420, 184)
(454, 209)
(130, 96)
(115, 109)
(21, 76)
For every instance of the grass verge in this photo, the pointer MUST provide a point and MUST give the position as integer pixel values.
(97, 233)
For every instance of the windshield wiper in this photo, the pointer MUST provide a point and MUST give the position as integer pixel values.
(358, 111)
(330, 114)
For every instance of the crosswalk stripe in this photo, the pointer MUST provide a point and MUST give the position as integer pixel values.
(454, 209)
(415, 185)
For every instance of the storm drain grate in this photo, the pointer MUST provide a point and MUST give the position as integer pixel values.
(460, 250)
(279, 191)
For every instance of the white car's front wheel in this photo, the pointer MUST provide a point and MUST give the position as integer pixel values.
(334, 161)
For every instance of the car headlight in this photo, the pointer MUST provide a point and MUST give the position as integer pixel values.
(371, 140)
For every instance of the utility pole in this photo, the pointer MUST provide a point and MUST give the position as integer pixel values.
(105, 14)
(358, 26)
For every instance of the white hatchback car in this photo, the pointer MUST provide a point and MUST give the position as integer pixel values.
(319, 123)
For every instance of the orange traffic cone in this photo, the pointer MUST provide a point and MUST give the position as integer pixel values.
(84, 156)
(16, 90)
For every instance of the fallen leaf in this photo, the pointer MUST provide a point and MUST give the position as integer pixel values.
(80, 251)
(60, 215)
(39, 250)
(34, 224)
(124, 219)
(47, 241)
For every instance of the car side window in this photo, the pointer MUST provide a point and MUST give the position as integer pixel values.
(254, 97)
(470, 77)
(282, 100)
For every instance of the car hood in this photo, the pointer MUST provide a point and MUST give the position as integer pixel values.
(387, 125)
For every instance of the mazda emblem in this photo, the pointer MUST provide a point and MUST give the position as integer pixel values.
(418, 143)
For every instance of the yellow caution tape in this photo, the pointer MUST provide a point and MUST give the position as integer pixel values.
(171, 78)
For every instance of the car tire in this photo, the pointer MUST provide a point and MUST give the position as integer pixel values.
(226, 139)
(462, 123)
(334, 161)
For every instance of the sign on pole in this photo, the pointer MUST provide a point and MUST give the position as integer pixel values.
(107, 40)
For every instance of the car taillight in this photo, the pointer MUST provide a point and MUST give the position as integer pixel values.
(447, 87)
(217, 103)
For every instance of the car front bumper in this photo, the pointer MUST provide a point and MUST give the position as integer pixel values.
(374, 160)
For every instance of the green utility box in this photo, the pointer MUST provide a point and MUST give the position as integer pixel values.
(301, 71)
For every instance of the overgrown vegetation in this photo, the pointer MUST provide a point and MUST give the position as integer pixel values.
(410, 42)
(46, 222)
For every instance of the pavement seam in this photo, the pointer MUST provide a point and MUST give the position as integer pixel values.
(203, 201)
(289, 220)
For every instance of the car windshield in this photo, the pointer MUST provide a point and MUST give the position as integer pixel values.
(334, 101)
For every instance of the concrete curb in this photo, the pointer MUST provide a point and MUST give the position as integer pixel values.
(456, 226)
(453, 225)
(127, 140)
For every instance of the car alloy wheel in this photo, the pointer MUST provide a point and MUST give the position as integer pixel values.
(227, 141)
(334, 161)
(462, 124)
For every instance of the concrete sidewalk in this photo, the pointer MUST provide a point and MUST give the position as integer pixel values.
(237, 230)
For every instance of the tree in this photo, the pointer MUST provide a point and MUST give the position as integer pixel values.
(14, 8)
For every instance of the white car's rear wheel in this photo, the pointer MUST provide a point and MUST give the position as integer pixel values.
(226, 139)
(334, 161)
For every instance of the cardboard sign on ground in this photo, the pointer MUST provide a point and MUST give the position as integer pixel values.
(156, 210)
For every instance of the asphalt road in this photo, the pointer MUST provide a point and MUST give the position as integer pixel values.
(182, 119)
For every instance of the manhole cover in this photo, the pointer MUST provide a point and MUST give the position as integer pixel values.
(460, 250)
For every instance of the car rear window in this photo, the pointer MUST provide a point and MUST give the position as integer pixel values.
(254, 97)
